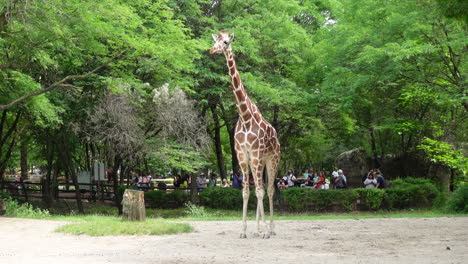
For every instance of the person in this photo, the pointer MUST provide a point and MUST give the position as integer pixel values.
(251, 181)
(144, 182)
(212, 181)
(149, 178)
(282, 184)
(201, 182)
(225, 183)
(340, 181)
(310, 181)
(162, 185)
(326, 185)
(290, 179)
(184, 182)
(370, 182)
(177, 181)
(135, 180)
(335, 174)
(320, 180)
(380, 180)
(237, 181)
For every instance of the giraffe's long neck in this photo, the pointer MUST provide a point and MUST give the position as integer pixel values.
(244, 105)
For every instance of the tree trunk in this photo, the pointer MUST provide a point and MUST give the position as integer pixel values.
(24, 164)
(72, 173)
(113, 175)
(231, 127)
(375, 161)
(217, 141)
(133, 205)
(46, 183)
(193, 188)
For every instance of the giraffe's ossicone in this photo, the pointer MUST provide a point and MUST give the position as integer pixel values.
(256, 142)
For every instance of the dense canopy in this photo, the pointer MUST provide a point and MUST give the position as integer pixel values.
(131, 83)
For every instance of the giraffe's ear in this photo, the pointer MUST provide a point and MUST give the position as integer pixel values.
(231, 37)
(215, 37)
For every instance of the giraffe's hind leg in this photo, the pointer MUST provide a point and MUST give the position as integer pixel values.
(257, 171)
(272, 167)
(245, 192)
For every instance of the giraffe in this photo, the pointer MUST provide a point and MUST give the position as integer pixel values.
(255, 140)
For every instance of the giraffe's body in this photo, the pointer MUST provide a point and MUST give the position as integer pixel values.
(256, 141)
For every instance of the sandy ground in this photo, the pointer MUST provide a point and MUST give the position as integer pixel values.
(403, 240)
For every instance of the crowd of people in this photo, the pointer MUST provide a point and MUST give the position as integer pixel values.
(314, 179)
(310, 178)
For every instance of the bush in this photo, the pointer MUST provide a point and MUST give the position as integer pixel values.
(4, 195)
(458, 201)
(163, 199)
(371, 197)
(25, 210)
(176, 198)
(156, 199)
(222, 198)
(306, 199)
(410, 192)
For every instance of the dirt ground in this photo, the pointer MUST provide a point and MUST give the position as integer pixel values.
(402, 240)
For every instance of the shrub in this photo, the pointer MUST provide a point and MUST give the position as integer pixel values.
(177, 198)
(25, 210)
(194, 210)
(458, 201)
(156, 199)
(4, 195)
(163, 199)
(410, 192)
(222, 198)
(229, 198)
(371, 197)
(305, 199)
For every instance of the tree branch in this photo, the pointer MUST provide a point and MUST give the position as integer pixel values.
(59, 84)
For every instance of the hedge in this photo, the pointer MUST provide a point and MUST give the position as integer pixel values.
(162, 199)
(458, 201)
(228, 198)
(401, 194)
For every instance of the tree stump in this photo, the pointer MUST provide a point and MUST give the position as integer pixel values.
(133, 205)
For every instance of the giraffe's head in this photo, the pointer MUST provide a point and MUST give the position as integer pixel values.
(222, 42)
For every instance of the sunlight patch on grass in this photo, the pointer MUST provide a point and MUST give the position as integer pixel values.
(115, 226)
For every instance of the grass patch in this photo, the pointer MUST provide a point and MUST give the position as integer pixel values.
(114, 226)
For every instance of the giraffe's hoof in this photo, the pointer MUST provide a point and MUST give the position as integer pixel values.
(266, 236)
(243, 236)
(256, 234)
(272, 233)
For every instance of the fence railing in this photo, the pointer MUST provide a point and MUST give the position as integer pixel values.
(90, 191)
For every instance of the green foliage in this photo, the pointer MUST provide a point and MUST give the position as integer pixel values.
(193, 210)
(4, 195)
(222, 198)
(410, 192)
(444, 153)
(458, 201)
(372, 197)
(25, 210)
(171, 155)
(306, 199)
(164, 199)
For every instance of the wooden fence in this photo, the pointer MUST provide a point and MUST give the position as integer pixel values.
(89, 191)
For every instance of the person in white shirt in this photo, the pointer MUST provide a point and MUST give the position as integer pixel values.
(370, 182)
(290, 178)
